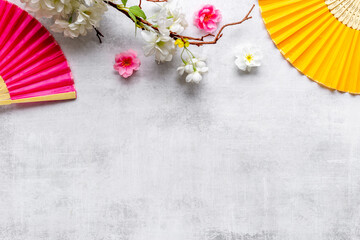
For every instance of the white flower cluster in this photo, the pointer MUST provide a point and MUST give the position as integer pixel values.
(171, 17)
(72, 17)
(160, 44)
(194, 67)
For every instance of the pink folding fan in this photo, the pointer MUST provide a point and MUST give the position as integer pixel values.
(33, 67)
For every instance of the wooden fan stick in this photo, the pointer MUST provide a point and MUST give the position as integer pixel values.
(4, 92)
(346, 11)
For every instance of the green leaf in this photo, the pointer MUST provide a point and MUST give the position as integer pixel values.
(133, 17)
(124, 2)
(137, 11)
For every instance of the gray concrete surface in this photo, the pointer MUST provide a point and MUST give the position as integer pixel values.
(262, 156)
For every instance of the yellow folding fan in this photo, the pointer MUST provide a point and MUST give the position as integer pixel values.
(321, 38)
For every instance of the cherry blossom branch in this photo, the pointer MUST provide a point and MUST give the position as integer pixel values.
(220, 34)
(195, 41)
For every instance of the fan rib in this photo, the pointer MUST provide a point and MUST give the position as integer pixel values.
(320, 49)
(302, 39)
(22, 48)
(52, 72)
(46, 92)
(300, 22)
(335, 54)
(342, 68)
(30, 53)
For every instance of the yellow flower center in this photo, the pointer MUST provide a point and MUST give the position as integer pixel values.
(161, 44)
(249, 57)
(126, 62)
(208, 17)
(182, 42)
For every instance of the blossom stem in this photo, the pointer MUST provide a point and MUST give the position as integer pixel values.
(98, 34)
(181, 56)
(191, 58)
(190, 53)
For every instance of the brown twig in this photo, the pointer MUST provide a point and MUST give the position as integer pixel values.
(194, 38)
(197, 41)
(98, 34)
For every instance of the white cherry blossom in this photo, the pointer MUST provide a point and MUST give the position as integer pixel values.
(159, 44)
(248, 58)
(171, 17)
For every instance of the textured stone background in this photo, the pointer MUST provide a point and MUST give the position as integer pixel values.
(262, 156)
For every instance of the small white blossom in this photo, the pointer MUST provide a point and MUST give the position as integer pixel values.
(248, 58)
(91, 16)
(48, 8)
(63, 7)
(72, 17)
(171, 17)
(72, 30)
(89, 2)
(159, 44)
(194, 67)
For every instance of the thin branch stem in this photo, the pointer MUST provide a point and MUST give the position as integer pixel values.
(194, 38)
(98, 34)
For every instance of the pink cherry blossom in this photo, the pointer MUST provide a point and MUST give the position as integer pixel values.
(126, 63)
(207, 18)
